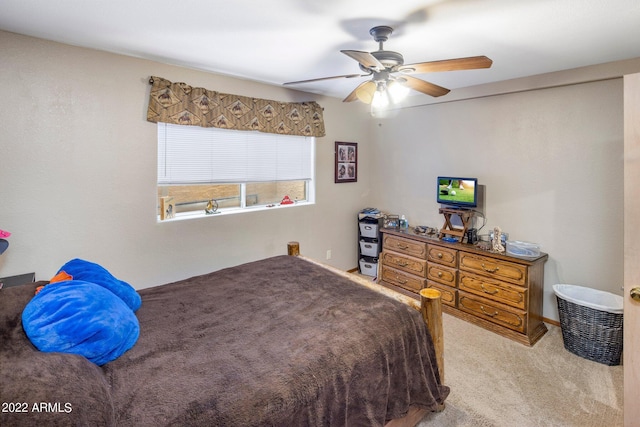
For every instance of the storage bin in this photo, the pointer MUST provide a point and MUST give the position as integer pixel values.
(368, 229)
(591, 323)
(369, 247)
(369, 266)
(518, 248)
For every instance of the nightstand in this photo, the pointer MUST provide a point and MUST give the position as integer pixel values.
(20, 279)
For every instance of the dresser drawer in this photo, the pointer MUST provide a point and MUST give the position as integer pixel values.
(442, 255)
(494, 290)
(405, 263)
(448, 294)
(496, 268)
(442, 274)
(404, 280)
(492, 311)
(405, 246)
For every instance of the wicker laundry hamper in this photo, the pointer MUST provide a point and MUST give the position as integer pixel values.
(591, 323)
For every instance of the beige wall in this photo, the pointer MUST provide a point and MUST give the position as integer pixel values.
(78, 172)
(550, 161)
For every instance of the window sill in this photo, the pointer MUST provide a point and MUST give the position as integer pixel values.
(231, 211)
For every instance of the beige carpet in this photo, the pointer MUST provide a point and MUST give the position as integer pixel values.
(497, 382)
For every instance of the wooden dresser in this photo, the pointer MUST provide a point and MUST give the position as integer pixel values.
(501, 293)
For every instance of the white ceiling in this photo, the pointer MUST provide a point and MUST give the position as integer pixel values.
(276, 41)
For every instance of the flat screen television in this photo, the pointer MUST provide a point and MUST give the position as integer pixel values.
(457, 192)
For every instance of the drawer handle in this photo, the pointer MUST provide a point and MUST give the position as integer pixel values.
(439, 254)
(402, 263)
(401, 246)
(402, 282)
(489, 270)
(439, 273)
(486, 291)
(495, 313)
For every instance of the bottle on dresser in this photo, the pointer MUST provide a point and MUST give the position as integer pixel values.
(404, 224)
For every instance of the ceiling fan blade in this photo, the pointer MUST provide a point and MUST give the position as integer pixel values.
(365, 58)
(424, 87)
(347, 76)
(364, 92)
(470, 63)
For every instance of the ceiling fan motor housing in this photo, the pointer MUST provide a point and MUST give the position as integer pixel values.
(388, 58)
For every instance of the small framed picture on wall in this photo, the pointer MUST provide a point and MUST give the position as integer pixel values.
(346, 162)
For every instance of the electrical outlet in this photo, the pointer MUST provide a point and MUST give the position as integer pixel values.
(329, 254)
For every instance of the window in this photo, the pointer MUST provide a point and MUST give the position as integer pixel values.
(238, 170)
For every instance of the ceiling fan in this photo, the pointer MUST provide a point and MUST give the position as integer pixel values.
(390, 75)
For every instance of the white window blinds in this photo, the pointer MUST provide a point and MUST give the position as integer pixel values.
(197, 155)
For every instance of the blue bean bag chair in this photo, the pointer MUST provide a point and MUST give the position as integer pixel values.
(81, 318)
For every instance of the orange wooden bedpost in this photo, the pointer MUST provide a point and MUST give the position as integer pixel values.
(431, 309)
(293, 248)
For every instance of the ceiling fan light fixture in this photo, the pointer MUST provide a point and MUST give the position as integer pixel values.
(380, 101)
(397, 91)
(365, 92)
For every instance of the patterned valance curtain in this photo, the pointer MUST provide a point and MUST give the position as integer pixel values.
(181, 104)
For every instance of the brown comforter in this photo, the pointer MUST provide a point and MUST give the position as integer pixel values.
(276, 342)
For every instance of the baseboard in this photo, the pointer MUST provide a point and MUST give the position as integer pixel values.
(551, 322)
(353, 270)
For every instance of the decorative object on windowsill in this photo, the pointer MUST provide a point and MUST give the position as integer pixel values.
(286, 201)
(497, 240)
(4, 244)
(212, 207)
(167, 208)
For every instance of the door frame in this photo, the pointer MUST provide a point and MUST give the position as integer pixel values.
(631, 345)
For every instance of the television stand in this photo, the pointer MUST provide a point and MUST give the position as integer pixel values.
(448, 228)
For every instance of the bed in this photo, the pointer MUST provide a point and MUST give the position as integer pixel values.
(276, 342)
